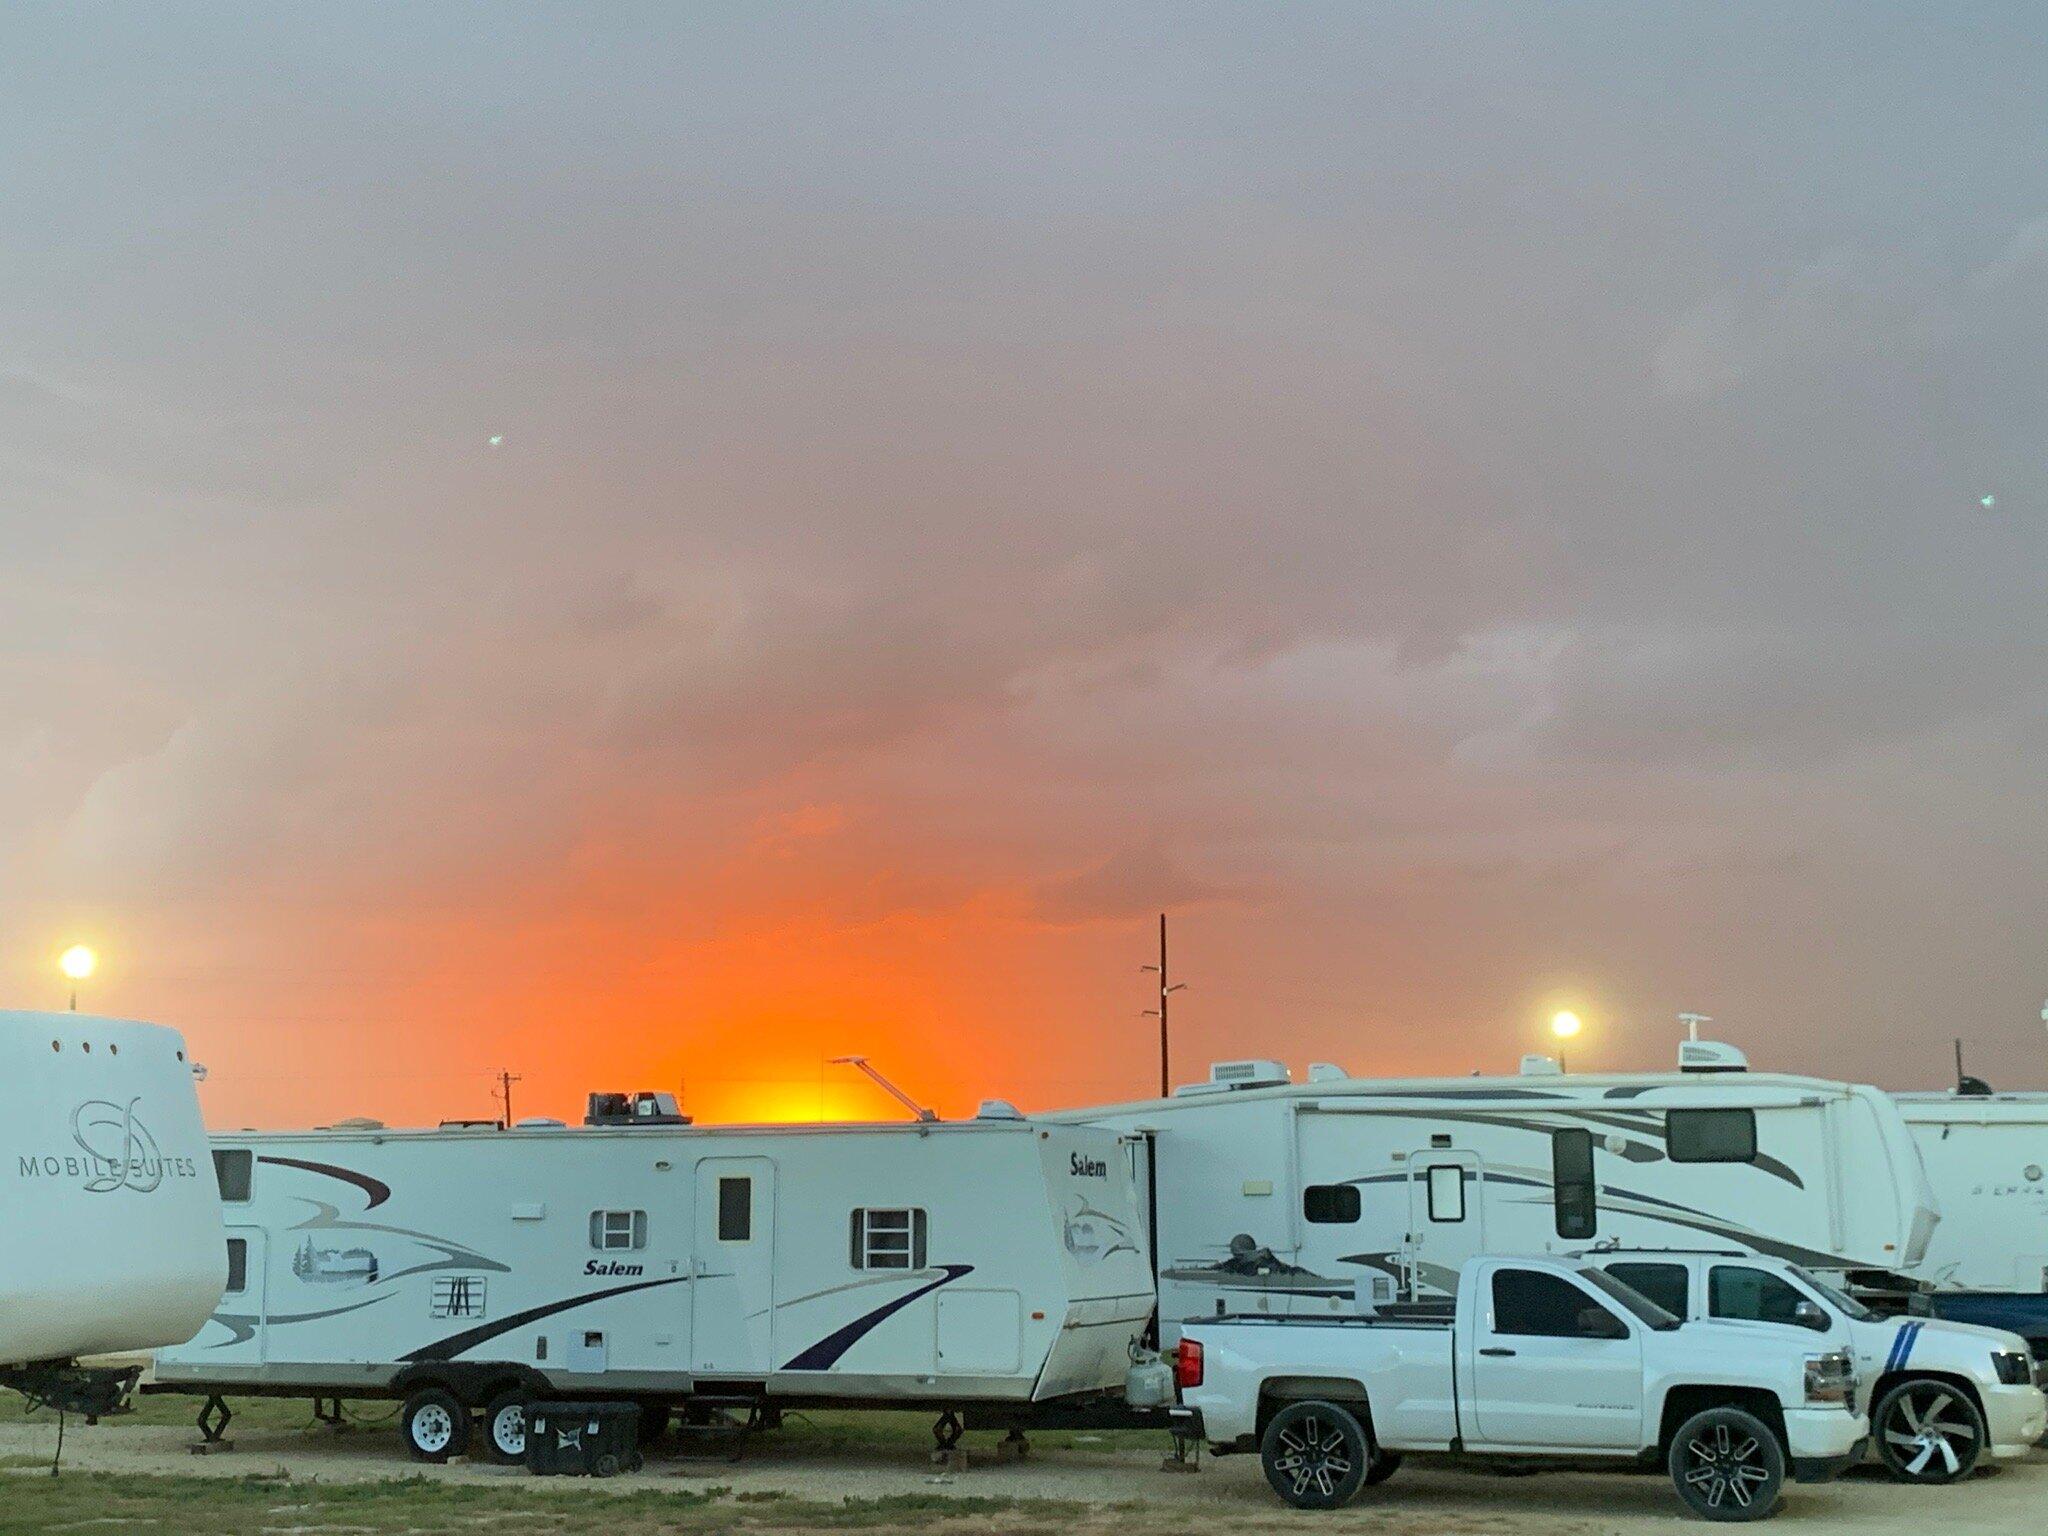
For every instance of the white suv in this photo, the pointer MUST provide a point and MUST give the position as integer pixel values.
(1939, 1394)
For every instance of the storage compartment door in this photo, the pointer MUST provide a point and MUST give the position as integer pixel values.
(980, 1333)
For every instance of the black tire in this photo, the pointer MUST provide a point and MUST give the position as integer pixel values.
(653, 1424)
(606, 1465)
(435, 1424)
(504, 1428)
(1384, 1465)
(1315, 1455)
(1726, 1464)
(1927, 1431)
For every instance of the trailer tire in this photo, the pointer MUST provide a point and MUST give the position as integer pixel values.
(1922, 1426)
(435, 1424)
(1384, 1465)
(1315, 1455)
(1726, 1464)
(504, 1428)
(606, 1465)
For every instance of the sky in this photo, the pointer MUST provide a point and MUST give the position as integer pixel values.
(654, 547)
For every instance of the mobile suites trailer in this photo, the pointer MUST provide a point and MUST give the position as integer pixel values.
(1987, 1158)
(112, 1224)
(1341, 1194)
(997, 1261)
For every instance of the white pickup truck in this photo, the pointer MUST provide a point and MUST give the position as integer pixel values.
(1939, 1394)
(1542, 1359)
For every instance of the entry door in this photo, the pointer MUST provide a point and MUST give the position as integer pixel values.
(1446, 1218)
(1543, 1375)
(732, 1288)
(236, 1334)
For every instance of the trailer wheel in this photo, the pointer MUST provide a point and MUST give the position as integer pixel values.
(505, 1428)
(1315, 1455)
(606, 1465)
(435, 1424)
(1727, 1465)
(1927, 1432)
(1384, 1465)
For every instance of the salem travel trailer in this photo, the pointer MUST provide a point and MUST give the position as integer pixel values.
(1340, 1194)
(112, 1221)
(997, 1261)
(1986, 1155)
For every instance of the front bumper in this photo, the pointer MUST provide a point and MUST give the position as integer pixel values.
(2014, 1417)
(1822, 1443)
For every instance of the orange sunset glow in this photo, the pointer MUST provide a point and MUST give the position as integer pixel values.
(654, 552)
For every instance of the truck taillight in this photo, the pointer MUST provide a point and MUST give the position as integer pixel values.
(1187, 1364)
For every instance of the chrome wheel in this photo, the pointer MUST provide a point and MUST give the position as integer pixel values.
(1727, 1464)
(1315, 1454)
(1928, 1432)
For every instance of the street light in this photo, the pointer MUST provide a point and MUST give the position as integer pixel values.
(1565, 1025)
(77, 962)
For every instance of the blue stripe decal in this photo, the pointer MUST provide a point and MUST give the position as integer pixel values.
(1911, 1335)
(1891, 1359)
(824, 1354)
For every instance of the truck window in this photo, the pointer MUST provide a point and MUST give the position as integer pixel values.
(1710, 1135)
(1330, 1203)
(1530, 1302)
(1574, 1193)
(1754, 1295)
(1446, 1192)
(1665, 1284)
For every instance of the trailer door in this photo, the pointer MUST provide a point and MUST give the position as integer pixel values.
(1446, 1218)
(241, 1309)
(732, 1287)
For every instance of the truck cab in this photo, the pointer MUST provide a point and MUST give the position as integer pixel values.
(1939, 1395)
(1541, 1358)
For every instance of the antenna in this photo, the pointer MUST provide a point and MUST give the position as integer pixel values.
(1692, 1023)
(1959, 1064)
(861, 1062)
(1166, 991)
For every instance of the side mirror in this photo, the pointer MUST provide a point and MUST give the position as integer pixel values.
(1599, 1323)
(1807, 1314)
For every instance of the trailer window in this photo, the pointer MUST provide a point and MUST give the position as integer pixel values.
(1528, 1301)
(618, 1229)
(735, 1210)
(1710, 1135)
(1446, 1192)
(1756, 1296)
(238, 1265)
(1665, 1284)
(887, 1239)
(1573, 1191)
(1330, 1204)
(231, 1171)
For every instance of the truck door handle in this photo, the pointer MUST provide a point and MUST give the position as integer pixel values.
(1496, 1351)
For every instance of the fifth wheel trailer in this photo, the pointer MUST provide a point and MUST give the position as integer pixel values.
(112, 1224)
(971, 1265)
(1342, 1194)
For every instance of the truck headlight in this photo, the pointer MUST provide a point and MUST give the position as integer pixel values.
(2011, 1367)
(1830, 1378)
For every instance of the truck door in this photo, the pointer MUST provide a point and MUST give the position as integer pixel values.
(732, 1284)
(1554, 1364)
(1446, 1218)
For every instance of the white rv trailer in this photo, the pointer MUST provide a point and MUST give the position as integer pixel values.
(1340, 1194)
(995, 1261)
(1987, 1157)
(112, 1223)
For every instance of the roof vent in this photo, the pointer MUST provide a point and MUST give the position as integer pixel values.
(1326, 1072)
(998, 1109)
(356, 1123)
(1540, 1066)
(634, 1109)
(540, 1123)
(1710, 1056)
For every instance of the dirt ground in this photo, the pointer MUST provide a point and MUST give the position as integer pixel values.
(1072, 1484)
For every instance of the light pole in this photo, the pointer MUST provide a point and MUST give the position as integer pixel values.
(1566, 1026)
(77, 962)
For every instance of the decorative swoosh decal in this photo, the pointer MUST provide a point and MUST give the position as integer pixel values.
(243, 1324)
(824, 1354)
(376, 1189)
(469, 1338)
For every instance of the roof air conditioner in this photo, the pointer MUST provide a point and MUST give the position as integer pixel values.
(1710, 1056)
(1540, 1066)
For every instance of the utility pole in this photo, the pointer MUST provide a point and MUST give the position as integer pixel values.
(505, 1082)
(1166, 990)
